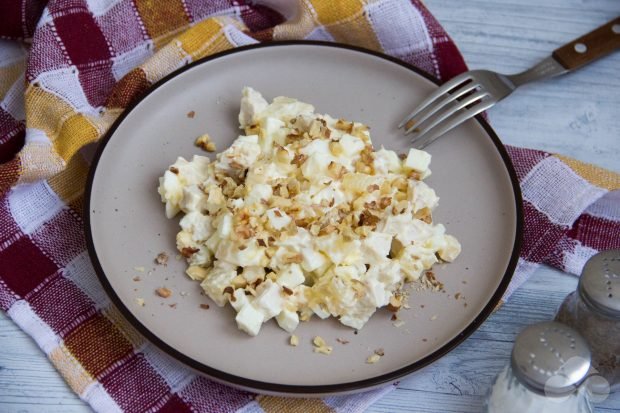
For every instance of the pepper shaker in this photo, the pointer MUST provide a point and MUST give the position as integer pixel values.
(548, 364)
(594, 311)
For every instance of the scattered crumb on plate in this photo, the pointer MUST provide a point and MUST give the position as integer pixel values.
(320, 346)
(294, 340)
(161, 259)
(205, 143)
(140, 302)
(139, 269)
(191, 114)
(204, 306)
(342, 341)
(163, 292)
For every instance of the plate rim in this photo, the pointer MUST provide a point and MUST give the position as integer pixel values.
(277, 388)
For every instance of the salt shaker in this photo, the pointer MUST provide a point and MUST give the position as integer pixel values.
(594, 311)
(548, 364)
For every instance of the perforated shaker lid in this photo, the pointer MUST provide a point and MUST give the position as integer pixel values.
(599, 284)
(550, 358)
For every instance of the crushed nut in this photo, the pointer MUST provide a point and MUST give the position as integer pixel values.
(318, 341)
(204, 306)
(372, 359)
(191, 114)
(394, 304)
(139, 269)
(140, 302)
(204, 142)
(299, 159)
(380, 352)
(187, 252)
(163, 292)
(136, 278)
(161, 259)
(294, 340)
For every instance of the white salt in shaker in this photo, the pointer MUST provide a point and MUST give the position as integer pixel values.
(549, 362)
(594, 311)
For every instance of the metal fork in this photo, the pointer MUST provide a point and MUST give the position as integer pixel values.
(475, 91)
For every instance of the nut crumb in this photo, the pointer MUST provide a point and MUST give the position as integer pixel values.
(172, 305)
(191, 114)
(342, 341)
(294, 341)
(136, 278)
(327, 350)
(433, 318)
(320, 346)
(163, 292)
(205, 143)
(398, 323)
(140, 302)
(318, 341)
(139, 269)
(380, 352)
(204, 306)
(457, 296)
(372, 359)
(161, 259)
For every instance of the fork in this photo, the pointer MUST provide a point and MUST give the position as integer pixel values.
(475, 91)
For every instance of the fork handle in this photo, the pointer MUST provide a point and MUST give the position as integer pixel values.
(590, 47)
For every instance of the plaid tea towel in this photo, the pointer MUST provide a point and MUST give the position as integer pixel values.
(69, 67)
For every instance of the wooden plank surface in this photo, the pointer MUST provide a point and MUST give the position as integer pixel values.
(576, 115)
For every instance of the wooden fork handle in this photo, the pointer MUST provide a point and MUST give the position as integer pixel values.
(590, 47)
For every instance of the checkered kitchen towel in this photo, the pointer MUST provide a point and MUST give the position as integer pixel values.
(69, 67)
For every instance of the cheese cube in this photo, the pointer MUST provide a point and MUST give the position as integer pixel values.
(269, 299)
(288, 320)
(376, 247)
(252, 104)
(451, 250)
(277, 218)
(417, 160)
(291, 276)
(238, 300)
(219, 277)
(249, 319)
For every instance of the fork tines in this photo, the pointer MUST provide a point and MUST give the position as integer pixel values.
(453, 103)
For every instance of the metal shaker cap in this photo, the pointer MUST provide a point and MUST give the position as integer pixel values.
(550, 358)
(599, 284)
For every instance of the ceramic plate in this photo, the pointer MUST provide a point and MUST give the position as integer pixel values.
(480, 204)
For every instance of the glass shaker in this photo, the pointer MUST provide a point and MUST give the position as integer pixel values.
(548, 364)
(594, 311)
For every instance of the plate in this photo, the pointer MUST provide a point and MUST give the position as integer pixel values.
(126, 228)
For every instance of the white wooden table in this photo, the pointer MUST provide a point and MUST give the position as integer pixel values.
(577, 115)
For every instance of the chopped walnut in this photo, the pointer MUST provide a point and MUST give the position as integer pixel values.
(187, 252)
(205, 143)
(161, 259)
(163, 292)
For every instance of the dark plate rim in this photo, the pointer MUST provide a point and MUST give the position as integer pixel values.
(302, 389)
